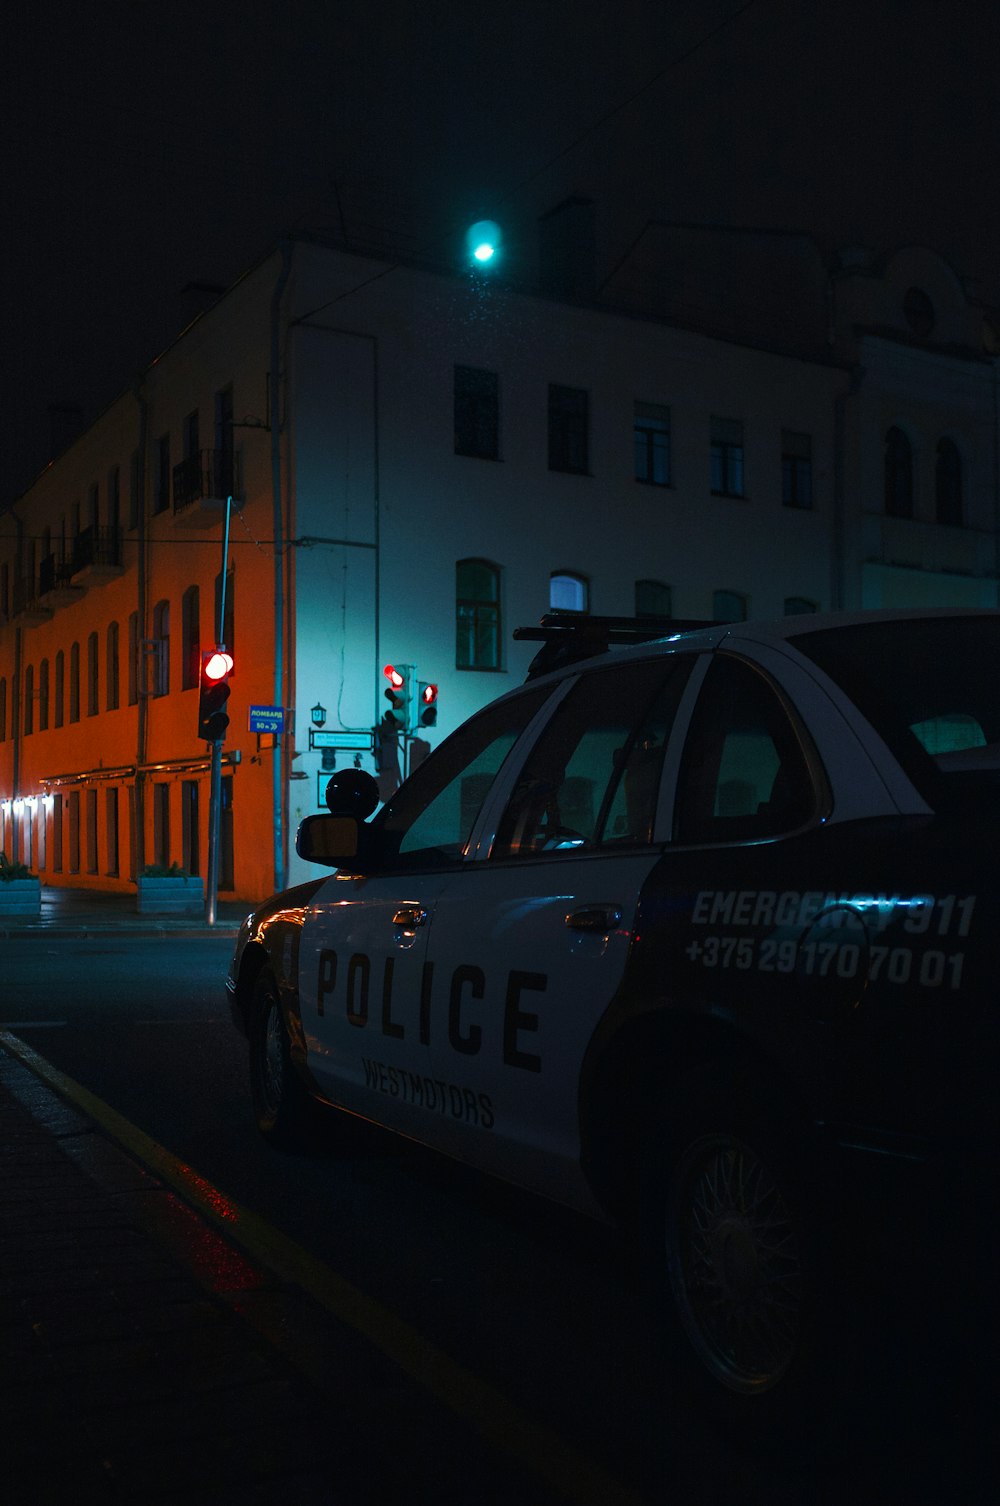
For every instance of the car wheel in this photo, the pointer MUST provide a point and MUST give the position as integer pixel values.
(735, 1252)
(736, 1232)
(280, 1100)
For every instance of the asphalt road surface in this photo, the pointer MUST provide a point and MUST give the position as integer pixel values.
(543, 1307)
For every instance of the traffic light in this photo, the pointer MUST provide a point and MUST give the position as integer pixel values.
(428, 704)
(398, 694)
(482, 243)
(213, 693)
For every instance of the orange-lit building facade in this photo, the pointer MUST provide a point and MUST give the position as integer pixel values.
(419, 461)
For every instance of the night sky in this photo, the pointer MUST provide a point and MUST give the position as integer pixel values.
(148, 146)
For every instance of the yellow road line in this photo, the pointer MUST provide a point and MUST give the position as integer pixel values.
(499, 1420)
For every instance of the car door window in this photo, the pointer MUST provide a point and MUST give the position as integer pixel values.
(429, 820)
(591, 780)
(744, 774)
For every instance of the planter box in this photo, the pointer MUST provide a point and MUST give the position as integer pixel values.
(170, 896)
(21, 897)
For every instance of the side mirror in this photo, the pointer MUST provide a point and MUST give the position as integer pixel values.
(334, 841)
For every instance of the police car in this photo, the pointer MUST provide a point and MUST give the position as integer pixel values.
(698, 932)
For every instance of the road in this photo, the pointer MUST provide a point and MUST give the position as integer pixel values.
(540, 1305)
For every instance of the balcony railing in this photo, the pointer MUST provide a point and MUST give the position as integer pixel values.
(207, 476)
(96, 547)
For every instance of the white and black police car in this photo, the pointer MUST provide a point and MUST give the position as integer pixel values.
(700, 933)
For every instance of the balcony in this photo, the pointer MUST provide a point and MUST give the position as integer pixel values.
(26, 608)
(202, 483)
(97, 556)
(55, 586)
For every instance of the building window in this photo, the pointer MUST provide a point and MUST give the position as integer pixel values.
(898, 475)
(918, 311)
(60, 688)
(133, 658)
(74, 683)
(653, 599)
(161, 653)
(111, 831)
(727, 457)
(3, 709)
(477, 615)
(191, 436)
(948, 484)
(74, 831)
(114, 504)
(43, 696)
(111, 667)
(92, 831)
(93, 704)
(134, 489)
(161, 491)
(57, 833)
(651, 431)
(569, 429)
(568, 592)
(190, 639)
(796, 606)
(477, 413)
(29, 700)
(796, 469)
(729, 606)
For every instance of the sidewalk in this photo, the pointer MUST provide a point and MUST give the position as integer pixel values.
(147, 1361)
(95, 912)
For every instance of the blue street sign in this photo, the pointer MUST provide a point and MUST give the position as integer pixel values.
(267, 719)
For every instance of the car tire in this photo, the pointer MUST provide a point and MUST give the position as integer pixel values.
(282, 1106)
(736, 1255)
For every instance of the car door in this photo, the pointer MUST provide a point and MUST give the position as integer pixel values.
(529, 946)
(363, 982)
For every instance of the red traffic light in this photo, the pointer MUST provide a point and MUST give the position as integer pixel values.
(218, 665)
(213, 719)
(396, 680)
(428, 694)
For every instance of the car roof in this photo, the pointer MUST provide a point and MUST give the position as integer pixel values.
(709, 636)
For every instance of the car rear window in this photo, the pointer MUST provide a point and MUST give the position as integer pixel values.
(931, 688)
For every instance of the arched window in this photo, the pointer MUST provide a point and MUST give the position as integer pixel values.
(29, 700)
(93, 658)
(898, 475)
(43, 696)
(948, 483)
(652, 599)
(111, 668)
(477, 615)
(74, 683)
(161, 637)
(60, 688)
(729, 606)
(568, 592)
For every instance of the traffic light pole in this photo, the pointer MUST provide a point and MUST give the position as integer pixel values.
(215, 773)
(214, 808)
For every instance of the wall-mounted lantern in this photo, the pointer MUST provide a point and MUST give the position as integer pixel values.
(318, 714)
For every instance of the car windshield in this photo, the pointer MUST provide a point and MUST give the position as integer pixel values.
(931, 688)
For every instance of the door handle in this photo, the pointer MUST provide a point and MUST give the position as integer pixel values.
(410, 916)
(595, 918)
